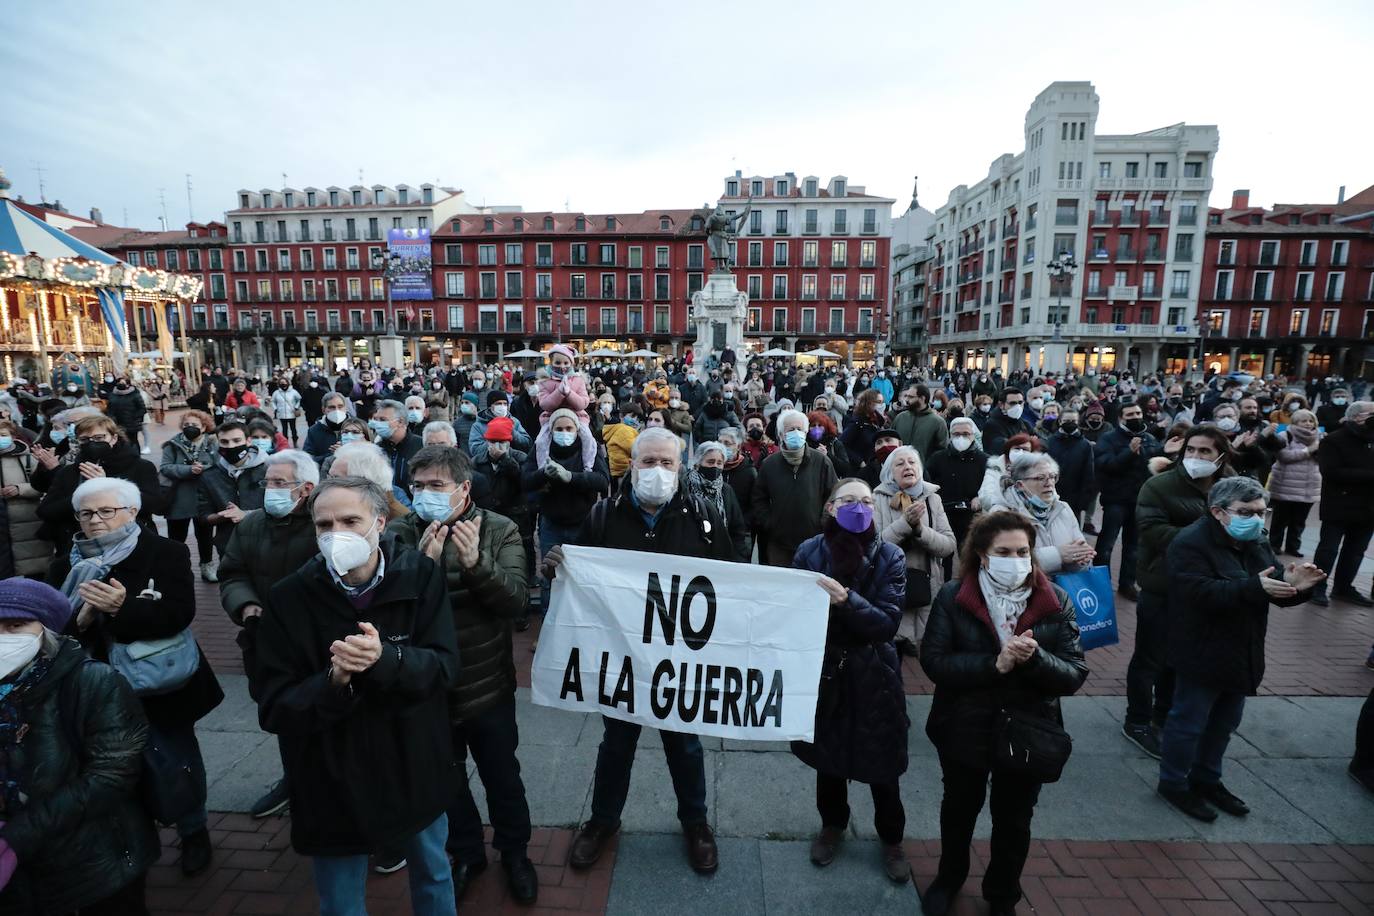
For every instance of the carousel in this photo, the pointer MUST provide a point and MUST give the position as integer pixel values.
(62, 305)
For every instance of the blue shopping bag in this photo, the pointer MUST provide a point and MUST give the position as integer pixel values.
(1095, 604)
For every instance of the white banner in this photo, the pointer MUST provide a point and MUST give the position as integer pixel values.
(683, 644)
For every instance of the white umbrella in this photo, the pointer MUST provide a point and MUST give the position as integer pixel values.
(526, 353)
(603, 351)
(820, 353)
(777, 351)
(645, 353)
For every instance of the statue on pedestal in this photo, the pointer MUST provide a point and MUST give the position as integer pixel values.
(721, 229)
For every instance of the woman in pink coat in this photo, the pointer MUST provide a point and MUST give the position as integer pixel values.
(564, 387)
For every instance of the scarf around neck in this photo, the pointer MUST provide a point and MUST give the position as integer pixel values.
(1005, 606)
(711, 491)
(93, 558)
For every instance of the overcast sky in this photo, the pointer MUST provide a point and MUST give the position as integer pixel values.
(615, 106)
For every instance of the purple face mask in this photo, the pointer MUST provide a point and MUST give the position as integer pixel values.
(815, 433)
(855, 517)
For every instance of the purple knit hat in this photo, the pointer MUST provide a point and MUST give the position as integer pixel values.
(29, 599)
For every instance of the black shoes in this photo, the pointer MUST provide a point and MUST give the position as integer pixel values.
(1350, 596)
(463, 875)
(1189, 802)
(937, 900)
(1319, 599)
(1128, 592)
(1363, 777)
(1143, 737)
(907, 647)
(195, 853)
(277, 799)
(702, 854)
(522, 879)
(1219, 795)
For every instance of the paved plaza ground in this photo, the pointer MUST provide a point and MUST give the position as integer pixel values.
(1104, 842)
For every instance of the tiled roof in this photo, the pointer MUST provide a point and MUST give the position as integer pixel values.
(645, 223)
(108, 237)
(1275, 221)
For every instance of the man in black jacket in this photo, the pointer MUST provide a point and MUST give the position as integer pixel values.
(355, 680)
(1346, 460)
(651, 514)
(388, 424)
(958, 469)
(484, 562)
(1222, 580)
(1006, 421)
(233, 486)
(1121, 465)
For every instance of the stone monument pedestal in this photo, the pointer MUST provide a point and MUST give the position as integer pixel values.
(719, 311)
(393, 351)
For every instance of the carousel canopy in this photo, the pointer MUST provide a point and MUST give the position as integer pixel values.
(22, 233)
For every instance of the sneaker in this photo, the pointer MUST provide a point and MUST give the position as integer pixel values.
(145, 450)
(388, 862)
(208, 573)
(276, 800)
(195, 853)
(1143, 737)
(1350, 596)
(1219, 795)
(1188, 801)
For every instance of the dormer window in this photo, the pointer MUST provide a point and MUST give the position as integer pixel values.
(732, 189)
(610, 223)
(290, 199)
(839, 187)
(664, 223)
(427, 195)
(580, 224)
(266, 199)
(457, 224)
(810, 187)
(488, 224)
(519, 224)
(781, 186)
(243, 201)
(756, 188)
(1256, 219)
(548, 224)
(402, 196)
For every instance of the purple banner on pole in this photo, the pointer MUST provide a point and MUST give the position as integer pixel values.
(414, 279)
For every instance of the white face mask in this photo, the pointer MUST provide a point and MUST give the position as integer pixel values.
(500, 409)
(1227, 424)
(1014, 454)
(1037, 403)
(346, 551)
(961, 443)
(1008, 572)
(17, 650)
(1014, 411)
(654, 486)
(1199, 467)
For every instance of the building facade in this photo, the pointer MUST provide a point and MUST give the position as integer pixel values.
(1126, 208)
(1289, 290)
(906, 324)
(814, 260)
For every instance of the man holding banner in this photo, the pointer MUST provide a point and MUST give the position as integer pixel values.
(650, 514)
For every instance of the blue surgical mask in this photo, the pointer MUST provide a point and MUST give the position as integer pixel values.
(58, 434)
(6, 443)
(564, 437)
(793, 439)
(431, 505)
(414, 416)
(346, 438)
(277, 503)
(263, 445)
(1245, 529)
(379, 427)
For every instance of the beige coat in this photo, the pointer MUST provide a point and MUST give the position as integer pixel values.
(31, 555)
(923, 549)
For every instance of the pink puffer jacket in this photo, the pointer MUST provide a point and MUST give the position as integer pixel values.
(1296, 477)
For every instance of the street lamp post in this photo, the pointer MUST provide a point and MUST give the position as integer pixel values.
(1061, 271)
(389, 266)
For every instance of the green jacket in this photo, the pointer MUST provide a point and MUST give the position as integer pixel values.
(262, 551)
(484, 600)
(1169, 502)
(926, 431)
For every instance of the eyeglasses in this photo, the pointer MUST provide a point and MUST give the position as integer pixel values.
(281, 484)
(104, 512)
(1043, 478)
(851, 500)
(1246, 513)
(86, 440)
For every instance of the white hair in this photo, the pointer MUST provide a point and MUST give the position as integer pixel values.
(732, 433)
(123, 490)
(1027, 463)
(785, 415)
(441, 426)
(303, 466)
(419, 401)
(963, 421)
(366, 460)
(1356, 408)
(707, 448)
(650, 436)
(331, 397)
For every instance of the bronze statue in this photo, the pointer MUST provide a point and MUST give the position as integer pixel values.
(721, 228)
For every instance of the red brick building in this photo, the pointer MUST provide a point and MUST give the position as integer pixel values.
(505, 281)
(1290, 289)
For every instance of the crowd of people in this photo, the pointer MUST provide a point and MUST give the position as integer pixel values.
(380, 533)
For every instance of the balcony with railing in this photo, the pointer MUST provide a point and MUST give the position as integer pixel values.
(1153, 254)
(1159, 218)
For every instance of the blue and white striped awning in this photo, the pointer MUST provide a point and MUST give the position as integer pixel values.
(22, 233)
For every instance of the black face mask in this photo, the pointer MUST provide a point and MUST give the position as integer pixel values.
(1136, 425)
(234, 454)
(756, 434)
(709, 473)
(1069, 428)
(191, 432)
(95, 451)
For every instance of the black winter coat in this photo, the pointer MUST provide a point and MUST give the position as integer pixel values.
(218, 490)
(370, 763)
(1076, 475)
(959, 653)
(958, 474)
(162, 566)
(861, 720)
(502, 491)
(685, 527)
(82, 833)
(565, 503)
(1120, 471)
(399, 454)
(56, 509)
(127, 410)
(1346, 460)
(1218, 611)
(999, 427)
(484, 601)
(320, 439)
(741, 479)
(789, 501)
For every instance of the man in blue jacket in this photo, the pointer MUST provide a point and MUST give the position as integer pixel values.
(1121, 463)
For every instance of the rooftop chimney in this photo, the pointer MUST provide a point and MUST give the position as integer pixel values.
(1340, 195)
(95, 215)
(1240, 199)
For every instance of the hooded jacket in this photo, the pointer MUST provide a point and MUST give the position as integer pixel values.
(1169, 502)
(1296, 477)
(219, 486)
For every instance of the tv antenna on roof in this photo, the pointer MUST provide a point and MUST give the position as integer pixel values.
(162, 201)
(42, 192)
(190, 211)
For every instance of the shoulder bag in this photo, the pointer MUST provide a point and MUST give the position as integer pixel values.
(1030, 746)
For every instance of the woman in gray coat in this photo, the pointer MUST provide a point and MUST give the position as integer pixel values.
(185, 457)
(909, 514)
(1295, 483)
(1030, 491)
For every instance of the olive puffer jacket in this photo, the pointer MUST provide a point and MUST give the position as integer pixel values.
(82, 833)
(1169, 502)
(959, 653)
(484, 599)
(861, 720)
